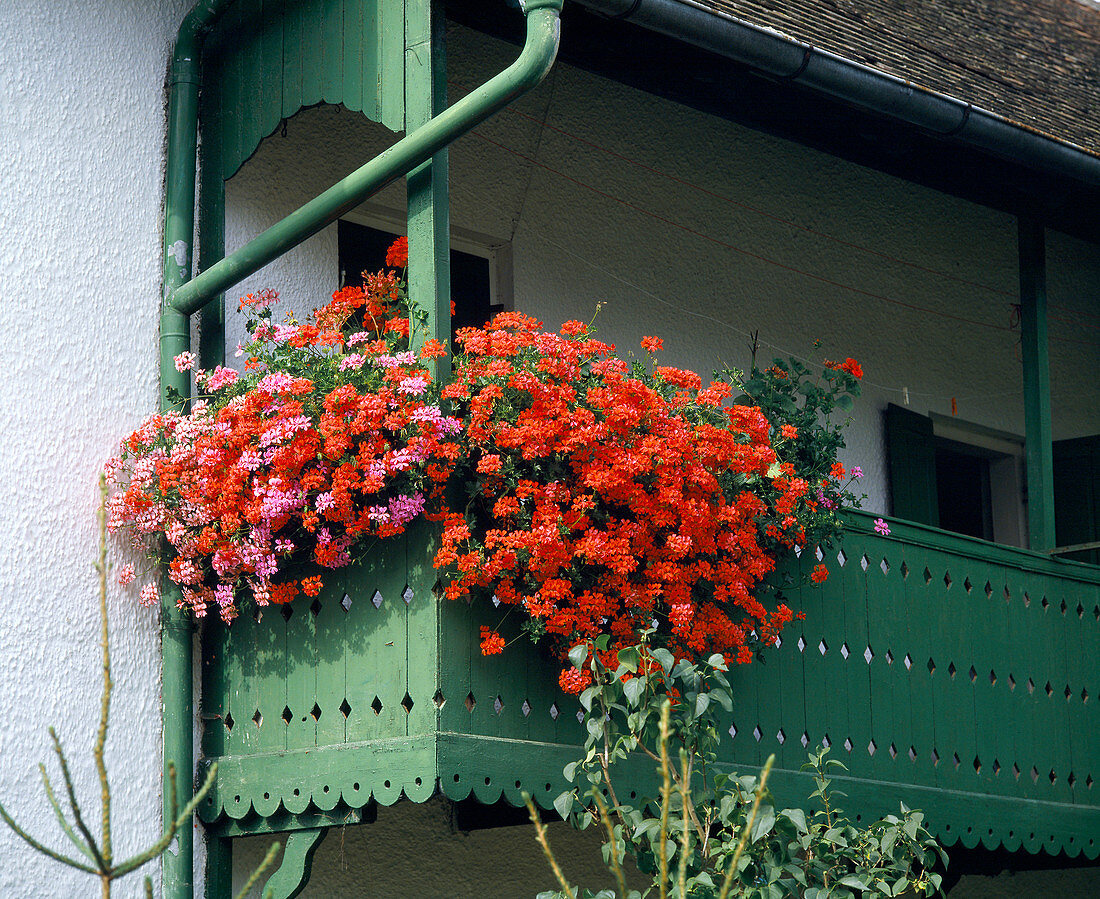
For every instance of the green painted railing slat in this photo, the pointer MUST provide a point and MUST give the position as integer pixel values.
(975, 610)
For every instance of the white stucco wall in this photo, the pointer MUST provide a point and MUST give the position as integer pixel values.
(82, 139)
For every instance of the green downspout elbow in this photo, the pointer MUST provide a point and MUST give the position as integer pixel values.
(175, 338)
(184, 296)
(526, 72)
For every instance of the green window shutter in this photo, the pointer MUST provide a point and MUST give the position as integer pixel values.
(1077, 495)
(911, 454)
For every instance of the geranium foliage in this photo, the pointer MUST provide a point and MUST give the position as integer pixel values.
(590, 494)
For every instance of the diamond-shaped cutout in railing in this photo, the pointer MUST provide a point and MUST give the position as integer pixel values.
(847, 744)
(286, 610)
(525, 708)
(345, 707)
(871, 747)
(1069, 693)
(889, 657)
(868, 655)
(287, 715)
(498, 705)
(988, 590)
(781, 737)
(1027, 600)
(407, 595)
(996, 767)
(470, 701)
(1015, 770)
(733, 730)
(797, 551)
(1030, 685)
(844, 651)
(893, 750)
(1053, 777)
(1096, 612)
(258, 614)
(1034, 774)
(580, 716)
(973, 675)
(950, 670)
(927, 576)
(885, 566)
(757, 733)
(841, 558)
(1011, 682)
(407, 703)
(823, 647)
(554, 711)
(825, 741)
(257, 719)
(912, 753)
(819, 554)
(977, 765)
(904, 571)
(229, 722)
(1084, 695)
(935, 758)
(955, 758)
(1071, 780)
(864, 562)
(496, 601)
(778, 641)
(315, 607)
(438, 590)
(345, 603)
(376, 706)
(931, 666)
(315, 712)
(801, 644)
(1088, 781)
(439, 700)
(1049, 689)
(1008, 594)
(804, 739)
(992, 678)
(377, 599)
(947, 580)
(1063, 607)
(1045, 603)
(1080, 610)
(908, 662)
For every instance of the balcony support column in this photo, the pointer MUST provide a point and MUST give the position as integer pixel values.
(1036, 373)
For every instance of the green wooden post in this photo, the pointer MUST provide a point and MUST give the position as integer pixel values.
(1033, 325)
(211, 249)
(429, 221)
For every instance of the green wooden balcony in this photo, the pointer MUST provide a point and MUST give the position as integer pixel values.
(952, 674)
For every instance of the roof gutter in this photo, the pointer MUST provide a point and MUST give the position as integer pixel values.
(783, 57)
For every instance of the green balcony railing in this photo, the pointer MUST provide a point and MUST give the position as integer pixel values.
(951, 674)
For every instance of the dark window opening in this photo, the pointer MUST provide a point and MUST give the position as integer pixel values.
(362, 248)
(963, 490)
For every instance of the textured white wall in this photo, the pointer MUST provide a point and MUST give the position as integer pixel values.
(928, 280)
(82, 139)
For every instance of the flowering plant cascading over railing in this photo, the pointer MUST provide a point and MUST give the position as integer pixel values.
(597, 497)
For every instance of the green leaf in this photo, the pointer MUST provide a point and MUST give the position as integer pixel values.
(570, 771)
(764, 822)
(633, 689)
(563, 805)
(587, 696)
(630, 657)
(702, 702)
(844, 401)
(797, 817)
(601, 642)
(664, 658)
(578, 655)
(857, 883)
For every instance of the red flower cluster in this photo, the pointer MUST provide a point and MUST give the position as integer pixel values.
(331, 436)
(607, 502)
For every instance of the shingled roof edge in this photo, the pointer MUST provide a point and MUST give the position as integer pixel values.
(786, 58)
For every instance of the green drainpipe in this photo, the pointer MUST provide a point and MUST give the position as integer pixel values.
(184, 296)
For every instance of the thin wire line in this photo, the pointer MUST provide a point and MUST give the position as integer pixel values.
(545, 124)
(674, 224)
(680, 309)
